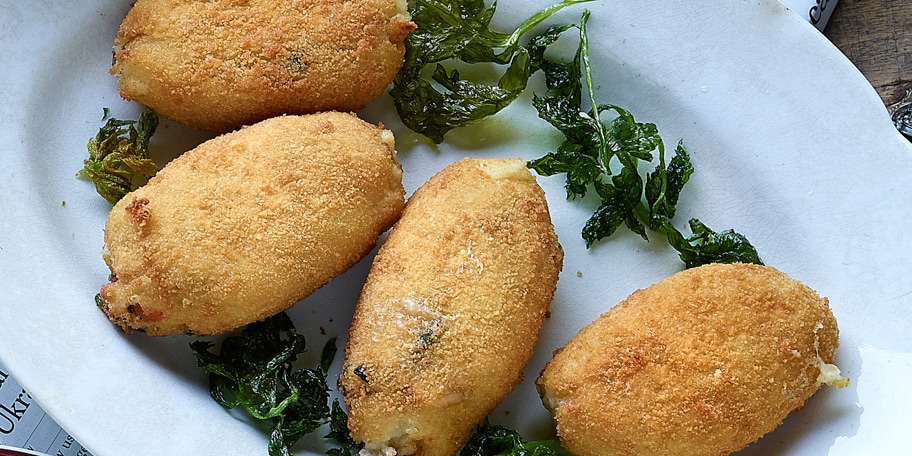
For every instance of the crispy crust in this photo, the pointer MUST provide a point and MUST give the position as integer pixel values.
(452, 309)
(702, 363)
(247, 224)
(220, 64)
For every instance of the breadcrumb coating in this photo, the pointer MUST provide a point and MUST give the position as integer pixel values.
(451, 310)
(702, 363)
(248, 223)
(220, 64)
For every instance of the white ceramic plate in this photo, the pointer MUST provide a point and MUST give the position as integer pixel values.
(792, 148)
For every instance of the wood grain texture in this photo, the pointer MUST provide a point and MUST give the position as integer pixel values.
(876, 35)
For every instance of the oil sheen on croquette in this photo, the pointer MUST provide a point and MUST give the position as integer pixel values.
(451, 310)
(248, 223)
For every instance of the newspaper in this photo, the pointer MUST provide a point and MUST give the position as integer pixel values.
(817, 12)
(23, 424)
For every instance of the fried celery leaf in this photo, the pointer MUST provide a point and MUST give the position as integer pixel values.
(459, 31)
(119, 155)
(493, 440)
(254, 371)
(607, 156)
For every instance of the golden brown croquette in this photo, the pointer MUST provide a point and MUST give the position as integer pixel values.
(702, 363)
(451, 310)
(248, 223)
(220, 64)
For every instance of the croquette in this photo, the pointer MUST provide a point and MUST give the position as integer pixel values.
(220, 64)
(702, 363)
(248, 223)
(451, 310)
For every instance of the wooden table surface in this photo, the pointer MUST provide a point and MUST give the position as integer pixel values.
(876, 35)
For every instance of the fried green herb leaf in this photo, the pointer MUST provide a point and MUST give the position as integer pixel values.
(254, 370)
(493, 440)
(706, 246)
(338, 427)
(459, 30)
(119, 155)
(607, 155)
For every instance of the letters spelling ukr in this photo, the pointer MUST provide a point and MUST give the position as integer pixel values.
(13, 413)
